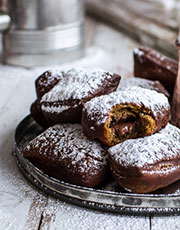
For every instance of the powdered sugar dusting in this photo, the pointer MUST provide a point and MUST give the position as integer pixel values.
(138, 52)
(46, 80)
(53, 73)
(73, 217)
(148, 150)
(55, 109)
(143, 83)
(76, 84)
(142, 97)
(66, 142)
(139, 82)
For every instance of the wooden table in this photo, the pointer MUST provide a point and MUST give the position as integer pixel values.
(21, 205)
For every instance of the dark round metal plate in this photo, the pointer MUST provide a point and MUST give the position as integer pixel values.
(108, 197)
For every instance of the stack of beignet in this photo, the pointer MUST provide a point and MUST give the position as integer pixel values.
(144, 152)
(61, 94)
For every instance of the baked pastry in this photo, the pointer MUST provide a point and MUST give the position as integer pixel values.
(47, 81)
(63, 152)
(64, 102)
(43, 84)
(152, 65)
(37, 114)
(130, 113)
(143, 165)
(143, 83)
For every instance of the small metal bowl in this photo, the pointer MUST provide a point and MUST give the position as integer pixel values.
(106, 197)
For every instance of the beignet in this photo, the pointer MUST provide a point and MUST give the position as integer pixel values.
(143, 165)
(130, 113)
(37, 114)
(152, 65)
(47, 81)
(64, 102)
(143, 83)
(63, 152)
(43, 84)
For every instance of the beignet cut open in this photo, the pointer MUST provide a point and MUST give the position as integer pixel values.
(131, 113)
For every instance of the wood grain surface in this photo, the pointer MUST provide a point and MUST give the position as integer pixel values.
(146, 21)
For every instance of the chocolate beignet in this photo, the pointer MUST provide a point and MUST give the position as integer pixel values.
(64, 102)
(64, 152)
(143, 83)
(130, 113)
(43, 84)
(146, 164)
(152, 65)
(37, 114)
(47, 81)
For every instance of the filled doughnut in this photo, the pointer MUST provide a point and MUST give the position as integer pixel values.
(131, 113)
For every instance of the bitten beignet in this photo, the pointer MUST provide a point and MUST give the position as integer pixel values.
(130, 113)
(146, 164)
(64, 152)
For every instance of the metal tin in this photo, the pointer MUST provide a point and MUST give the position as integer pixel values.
(43, 32)
(99, 198)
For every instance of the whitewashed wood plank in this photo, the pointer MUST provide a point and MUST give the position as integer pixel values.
(151, 10)
(9, 78)
(142, 29)
(35, 213)
(16, 196)
(49, 214)
(8, 222)
(74, 217)
(165, 222)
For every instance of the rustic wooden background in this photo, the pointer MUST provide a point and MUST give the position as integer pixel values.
(144, 20)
